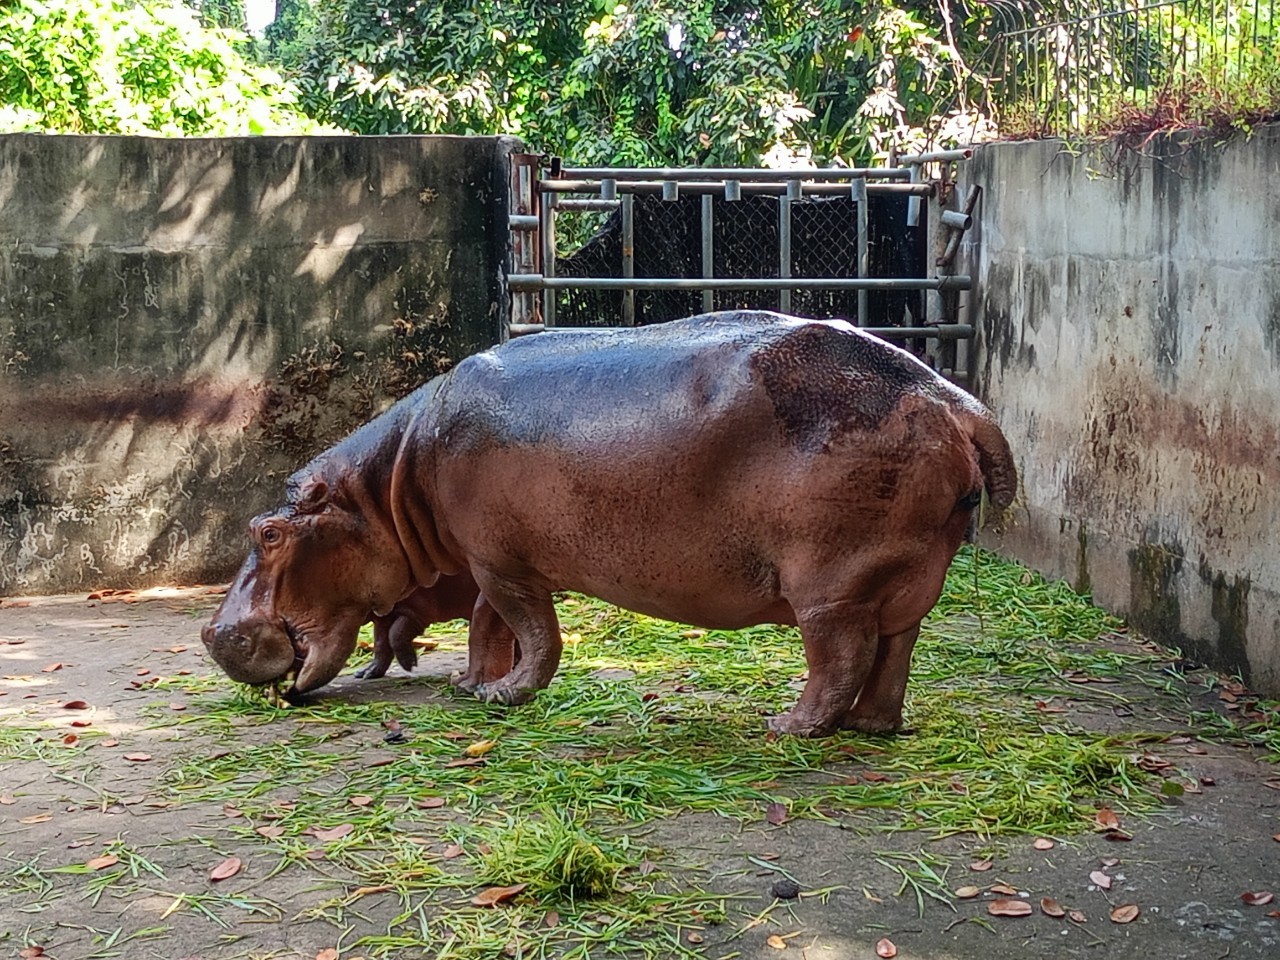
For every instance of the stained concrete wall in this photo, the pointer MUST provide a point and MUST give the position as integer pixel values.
(185, 322)
(1129, 312)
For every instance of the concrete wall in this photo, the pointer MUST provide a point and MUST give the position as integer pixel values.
(185, 322)
(1129, 311)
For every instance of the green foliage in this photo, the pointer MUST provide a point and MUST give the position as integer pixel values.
(557, 858)
(120, 66)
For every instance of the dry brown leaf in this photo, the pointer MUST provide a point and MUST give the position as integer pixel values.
(52, 667)
(226, 869)
(776, 942)
(1009, 908)
(492, 896)
(480, 748)
(1117, 836)
(370, 891)
(1051, 907)
(776, 813)
(1003, 889)
(177, 706)
(270, 832)
(81, 723)
(967, 893)
(647, 867)
(137, 757)
(694, 937)
(113, 742)
(332, 833)
(31, 953)
(70, 739)
(1276, 837)
(178, 649)
(102, 862)
(873, 777)
(1043, 843)
(9, 800)
(979, 866)
(432, 803)
(452, 851)
(1101, 879)
(328, 953)
(1257, 898)
(75, 705)
(360, 800)
(37, 818)
(1125, 913)
(465, 762)
(886, 948)
(231, 812)
(551, 920)
(1077, 916)
(1106, 819)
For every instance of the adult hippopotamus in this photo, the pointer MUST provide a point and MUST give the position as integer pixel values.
(725, 470)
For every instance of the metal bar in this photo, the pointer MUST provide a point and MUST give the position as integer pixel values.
(937, 156)
(694, 187)
(864, 250)
(523, 199)
(708, 251)
(568, 203)
(735, 173)
(547, 214)
(628, 259)
(521, 221)
(913, 202)
(943, 331)
(957, 220)
(533, 281)
(784, 251)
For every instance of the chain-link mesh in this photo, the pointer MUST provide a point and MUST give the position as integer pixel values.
(745, 240)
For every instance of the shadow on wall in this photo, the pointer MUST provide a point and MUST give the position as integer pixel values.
(185, 322)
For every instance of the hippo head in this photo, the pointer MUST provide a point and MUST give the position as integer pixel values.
(320, 567)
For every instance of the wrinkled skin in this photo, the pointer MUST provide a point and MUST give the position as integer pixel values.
(725, 470)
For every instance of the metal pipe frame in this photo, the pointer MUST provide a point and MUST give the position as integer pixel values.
(744, 174)
(773, 188)
(531, 281)
(942, 331)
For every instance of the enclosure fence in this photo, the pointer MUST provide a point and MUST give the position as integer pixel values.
(1077, 75)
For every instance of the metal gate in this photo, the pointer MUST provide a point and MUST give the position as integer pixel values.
(680, 241)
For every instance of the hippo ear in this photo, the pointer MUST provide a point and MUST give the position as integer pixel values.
(313, 497)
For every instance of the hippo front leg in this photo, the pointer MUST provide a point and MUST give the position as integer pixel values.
(878, 708)
(530, 613)
(393, 636)
(839, 646)
(492, 651)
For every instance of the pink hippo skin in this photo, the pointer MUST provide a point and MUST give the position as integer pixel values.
(725, 470)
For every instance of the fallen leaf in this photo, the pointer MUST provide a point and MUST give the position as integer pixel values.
(647, 867)
(102, 862)
(141, 672)
(1198, 751)
(9, 799)
(465, 762)
(231, 812)
(1003, 889)
(52, 667)
(480, 748)
(370, 891)
(1106, 819)
(227, 868)
(1077, 916)
(1109, 862)
(1052, 908)
(1125, 913)
(331, 833)
(1043, 843)
(1101, 879)
(70, 739)
(113, 742)
(328, 953)
(1009, 908)
(432, 803)
(873, 777)
(137, 757)
(178, 649)
(75, 705)
(1258, 898)
(37, 818)
(492, 896)
(31, 953)
(551, 920)
(361, 800)
(177, 706)
(452, 851)
(694, 937)
(886, 948)
(1276, 837)
(979, 866)
(776, 942)
(82, 723)
(1117, 836)
(967, 893)
(270, 832)
(776, 814)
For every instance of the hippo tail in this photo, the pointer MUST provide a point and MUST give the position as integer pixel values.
(995, 459)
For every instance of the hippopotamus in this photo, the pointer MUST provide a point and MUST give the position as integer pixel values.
(724, 470)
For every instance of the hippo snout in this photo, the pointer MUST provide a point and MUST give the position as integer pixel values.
(250, 651)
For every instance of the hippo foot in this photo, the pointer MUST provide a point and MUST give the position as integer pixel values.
(372, 671)
(871, 723)
(798, 725)
(502, 693)
(465, 682)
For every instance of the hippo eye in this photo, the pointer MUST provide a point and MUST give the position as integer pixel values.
(270, 535)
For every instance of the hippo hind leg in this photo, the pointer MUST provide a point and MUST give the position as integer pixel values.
(530, 613)
(878, 708)
(839, 646)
